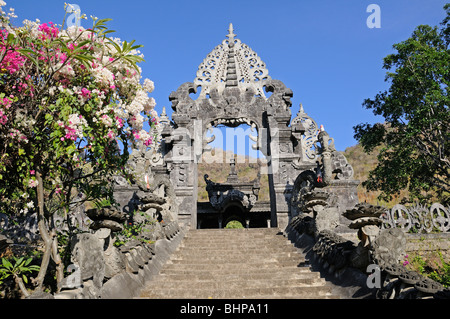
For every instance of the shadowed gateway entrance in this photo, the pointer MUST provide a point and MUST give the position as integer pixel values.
(233, 200)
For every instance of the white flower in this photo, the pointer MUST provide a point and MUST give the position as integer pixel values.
(103, 75)
(106, 120)
(154, 114)
(149, 86)
(52, 90)
(33, 183)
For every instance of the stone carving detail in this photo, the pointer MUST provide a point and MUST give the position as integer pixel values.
(106, 217)
(333, 251)
(340, 166)
(308, 199)
(309, 138)
(376, 245)
(4, 242)
(334, 162)
(222, 194)
(386, 248)
(419, 218)
(24, 228)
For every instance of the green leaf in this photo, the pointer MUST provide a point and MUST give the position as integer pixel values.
(25, 279)
(27, 53)
(7, 264)
(18, 262)
(34, 268)
(116, 46)
(28, 261)
(10, 39)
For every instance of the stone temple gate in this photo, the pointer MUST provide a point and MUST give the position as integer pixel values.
(235, 88)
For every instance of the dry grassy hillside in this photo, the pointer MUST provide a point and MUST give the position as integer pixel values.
(362, 164)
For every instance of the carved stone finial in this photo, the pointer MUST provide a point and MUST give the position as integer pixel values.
(231, 34)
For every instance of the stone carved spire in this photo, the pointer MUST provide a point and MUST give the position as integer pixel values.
(231, 79)
(231, 64)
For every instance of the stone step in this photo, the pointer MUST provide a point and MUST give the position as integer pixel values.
(233, 259)
(237, 263)
(231, 271)
(239, 256)
(243, 275)
(236, 266)
(243, 242)
(231, 235)
(234, 246)
(239, 293)
(166, 283)
(222, 231)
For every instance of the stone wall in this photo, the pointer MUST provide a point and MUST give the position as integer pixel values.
(429, 242)
(104, 271)
(329, 253)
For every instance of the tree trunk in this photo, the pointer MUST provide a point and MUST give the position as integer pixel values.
(50, 241)
(59, 264)
(22, 287)
(45, 235)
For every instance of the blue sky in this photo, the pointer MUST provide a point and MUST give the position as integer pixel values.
(322, 50)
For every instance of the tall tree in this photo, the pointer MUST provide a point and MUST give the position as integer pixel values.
(67, 98)
(415, 137)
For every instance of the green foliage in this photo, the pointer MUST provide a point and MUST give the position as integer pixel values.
(415, 138)
(434, 267)
(133, 231)
(17, 267)
(234, 224)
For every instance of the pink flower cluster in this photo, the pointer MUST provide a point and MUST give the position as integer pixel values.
(48, 30)
(71, 134)
(6, 104)
(86, 93)
(13, 60)
(3, 118)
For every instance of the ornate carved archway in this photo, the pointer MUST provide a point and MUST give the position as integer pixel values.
(233, 83)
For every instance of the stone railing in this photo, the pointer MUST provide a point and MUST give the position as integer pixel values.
(102, 270)
(399, 283)
(418, 219)
(382, 244)
(330, 254)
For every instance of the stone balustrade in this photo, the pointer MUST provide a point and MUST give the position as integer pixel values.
(383, 241)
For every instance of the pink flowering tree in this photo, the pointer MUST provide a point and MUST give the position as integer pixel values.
(72, 104)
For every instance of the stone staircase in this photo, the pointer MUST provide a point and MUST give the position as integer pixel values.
(237, 263)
